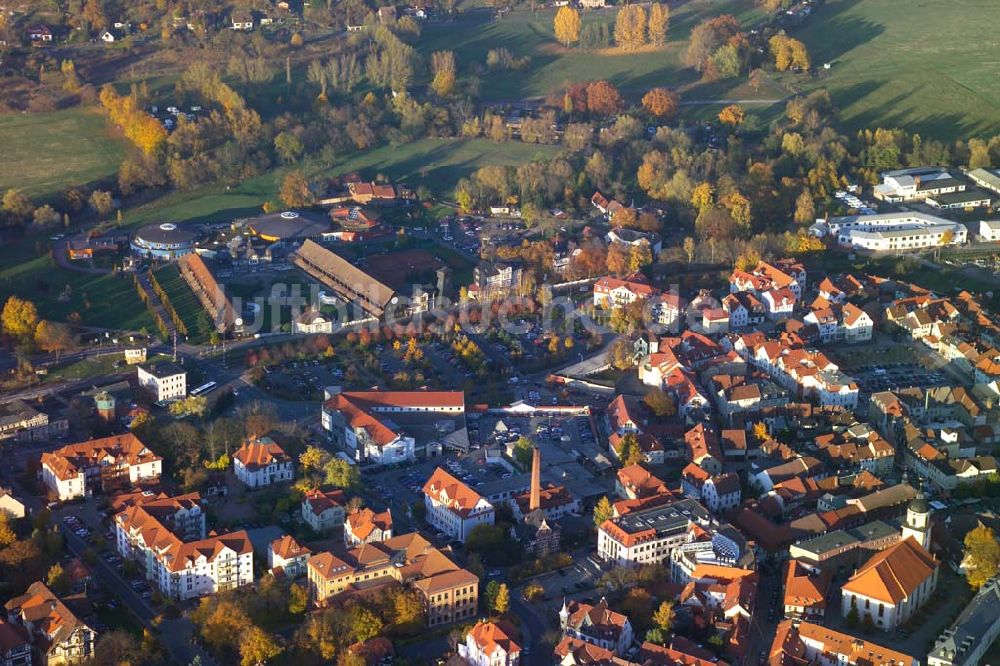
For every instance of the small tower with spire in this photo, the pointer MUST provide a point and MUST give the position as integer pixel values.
(563, 616)
(918, 521)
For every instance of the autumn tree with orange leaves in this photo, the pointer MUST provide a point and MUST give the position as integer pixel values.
(732, 115)
(661, 102)
(603, 98)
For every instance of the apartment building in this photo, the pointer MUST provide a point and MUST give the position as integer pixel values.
(453, 507)
(79, 470)
(967, 640)
(165, 538)
(805, 591)
(611, 292)
(647, 536)
(450, 594)
(164, 380)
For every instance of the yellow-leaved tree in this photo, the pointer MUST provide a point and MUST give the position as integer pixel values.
(659, 20)
(567, 25)
(630, 27)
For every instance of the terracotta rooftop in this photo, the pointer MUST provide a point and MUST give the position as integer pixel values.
(261, 453)
(893, 574)
(454, 494)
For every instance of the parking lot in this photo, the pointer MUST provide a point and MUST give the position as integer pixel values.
(875, 378)
(305, 380)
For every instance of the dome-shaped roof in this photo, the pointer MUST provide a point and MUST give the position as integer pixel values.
(919, 505)
(166, 233)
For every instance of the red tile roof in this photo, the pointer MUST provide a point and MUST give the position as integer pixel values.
(893, 574)
(491, 636)
(451, 492)
(261, 453)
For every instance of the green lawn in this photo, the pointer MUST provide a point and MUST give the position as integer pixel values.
(100, 300)
(437, 163)
(440, 163)
(552, 66)
(924, 65)
(45, 153)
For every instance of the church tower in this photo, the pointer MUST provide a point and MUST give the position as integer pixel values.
(535, 498)
(918, 521)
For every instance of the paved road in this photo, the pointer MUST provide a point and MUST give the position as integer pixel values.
(697, 102)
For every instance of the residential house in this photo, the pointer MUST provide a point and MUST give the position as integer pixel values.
(721, 493)
(491, 644)
(242, 21)
(367, 526)
(324, 510)
(262, 462)
(765, 277)
(15, 645)
(10, 506)
(806, 591)
(596, 624)
(798, 642)
(56, 635)
(778, 303)
(287, 555)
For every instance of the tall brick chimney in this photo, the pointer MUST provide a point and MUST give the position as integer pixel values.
(535, 501)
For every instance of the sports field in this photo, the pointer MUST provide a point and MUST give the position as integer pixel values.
(927, 66)
(530, 34)
(45, 153)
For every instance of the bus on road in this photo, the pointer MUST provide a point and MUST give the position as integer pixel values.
(204, 389)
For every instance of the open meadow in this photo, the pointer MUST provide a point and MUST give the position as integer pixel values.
(926, 66)
(552, 66)
(45, 153)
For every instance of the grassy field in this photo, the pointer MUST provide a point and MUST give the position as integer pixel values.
(100, 300)
(924, 65)
(440, 163)
(552, 66)
(437, 163)
(44, 153)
